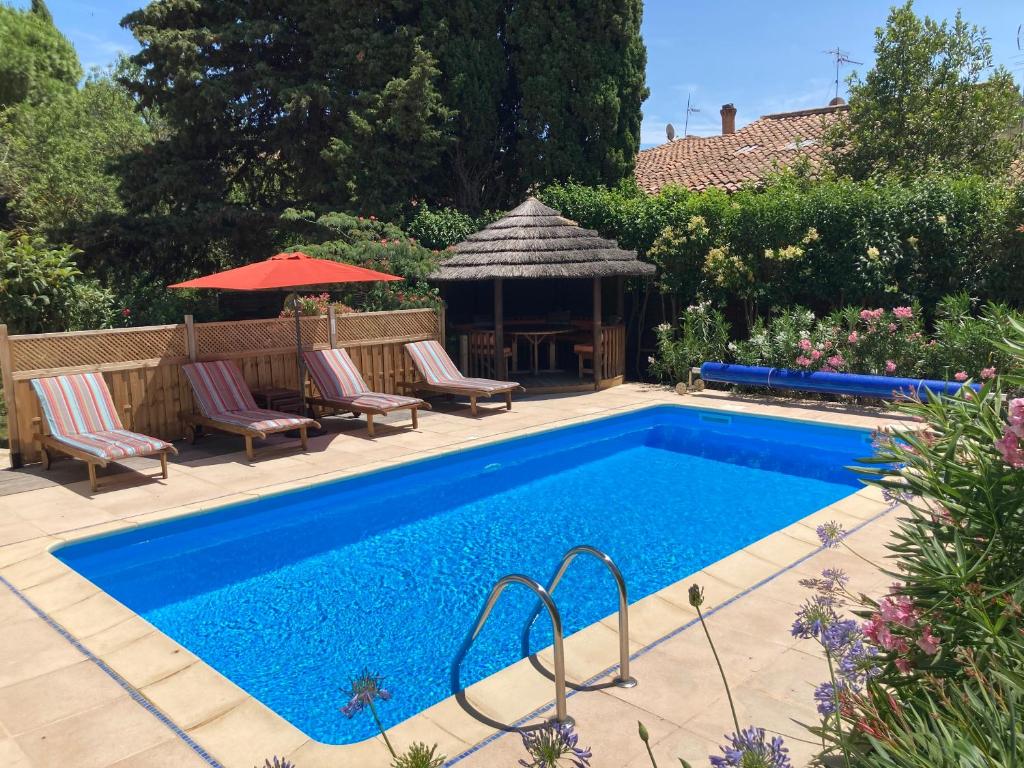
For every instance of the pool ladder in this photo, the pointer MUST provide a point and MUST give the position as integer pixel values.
(546, 602)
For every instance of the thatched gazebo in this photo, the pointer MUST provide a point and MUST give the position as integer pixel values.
(533, 242)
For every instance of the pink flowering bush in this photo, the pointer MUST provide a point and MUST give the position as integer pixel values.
(884, 342)
(944, 648)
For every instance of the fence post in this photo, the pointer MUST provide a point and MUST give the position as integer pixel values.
(332, 327)
(7, 374)
(190, 338)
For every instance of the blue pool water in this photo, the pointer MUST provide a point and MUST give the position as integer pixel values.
(292, 595)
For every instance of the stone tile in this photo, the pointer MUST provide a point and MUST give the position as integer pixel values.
(195, 695)
(104, 642)
(312, 754)
(92, 615)
(56, 695)
(150, 658)
(96, 738)
(780, 549)
(31, 648)
(11, 554)
(174, 753)
(247, 735)
(13, 531)
(61, 592)
(12, 756)
(33, 571)
(63, 516)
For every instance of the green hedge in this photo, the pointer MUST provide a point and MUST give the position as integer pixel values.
(823, 244)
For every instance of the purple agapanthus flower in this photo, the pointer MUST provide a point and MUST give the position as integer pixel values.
(830, 533)
(859, 664)
(814, 617)
(839, 635)
(825, 696)
(554, 746)
(365, 689)
(750, 749)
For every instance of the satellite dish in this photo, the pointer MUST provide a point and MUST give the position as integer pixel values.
(670, 132)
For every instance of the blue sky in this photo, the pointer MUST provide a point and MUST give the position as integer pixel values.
(763, 56)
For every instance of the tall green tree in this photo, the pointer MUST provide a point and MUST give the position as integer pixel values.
(469, 39)
(36, 60)
(58, 157)
(579, 78)
(933, 100)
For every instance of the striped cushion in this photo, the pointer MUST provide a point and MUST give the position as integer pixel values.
(379, 401)
(335, 374)
(76, 403)
(433, 362)
(477, 385)
(262, 420)
(218, 387)
(114, 444)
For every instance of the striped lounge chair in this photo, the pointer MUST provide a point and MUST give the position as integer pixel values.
(342, 388)
(226, 404)
(79, 419)
(440, 375)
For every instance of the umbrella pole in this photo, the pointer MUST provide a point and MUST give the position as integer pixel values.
(300, 363)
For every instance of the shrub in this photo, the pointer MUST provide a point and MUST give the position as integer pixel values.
(703, 334)
(823, 244)
(439, 228)
(42, 289)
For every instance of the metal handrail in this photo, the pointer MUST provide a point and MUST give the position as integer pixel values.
(624, 680)
(556, 627)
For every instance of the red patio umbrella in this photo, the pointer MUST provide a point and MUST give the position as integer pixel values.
(288, 271)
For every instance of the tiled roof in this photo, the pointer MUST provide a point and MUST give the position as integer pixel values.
(734, 160)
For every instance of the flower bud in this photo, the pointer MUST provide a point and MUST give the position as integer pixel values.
(644, 735)
(696, 596)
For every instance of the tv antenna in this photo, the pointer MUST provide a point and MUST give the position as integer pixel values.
(840, 57)
(689, 110)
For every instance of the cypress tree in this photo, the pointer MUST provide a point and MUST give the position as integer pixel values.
(579, 73)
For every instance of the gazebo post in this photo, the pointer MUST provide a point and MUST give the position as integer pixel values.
(597, 333)
(499, 331)
(620, 298)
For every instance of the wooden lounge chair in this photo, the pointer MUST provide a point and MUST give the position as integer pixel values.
(79, 419)
(440, 375)
(227, 405)
(342, 388)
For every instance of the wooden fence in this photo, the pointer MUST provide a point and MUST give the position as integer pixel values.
(142, 366)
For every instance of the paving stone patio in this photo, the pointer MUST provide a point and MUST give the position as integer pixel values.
(164, 707)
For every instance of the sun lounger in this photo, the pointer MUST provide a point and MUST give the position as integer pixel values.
(342, 388)
(226, 404)
(79, 419)
(440, 375)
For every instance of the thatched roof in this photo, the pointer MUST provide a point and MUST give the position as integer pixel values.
(534, 241)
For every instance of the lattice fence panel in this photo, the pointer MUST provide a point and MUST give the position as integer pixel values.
(224, 338)
(86, 348)
(386, 325)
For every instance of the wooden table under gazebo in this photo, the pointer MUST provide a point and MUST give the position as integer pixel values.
(534, 242)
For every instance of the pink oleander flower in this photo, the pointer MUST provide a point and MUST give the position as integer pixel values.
(890, 366)
(904, 313)
(904, 665)
(828, 345)
(803, 362)
(827, 369)
(837, 361)
(928, 642)
(852, 338)
(1010, 448)
(805, 344)
(988, 373)
(960, 376)
(898, 611)
(892, 327)
(815, 354)
(1017, 411)
(871, 315)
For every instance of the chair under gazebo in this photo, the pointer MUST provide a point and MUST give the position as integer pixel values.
(528, 254)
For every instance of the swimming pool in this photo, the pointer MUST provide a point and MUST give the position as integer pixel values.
(292, 595)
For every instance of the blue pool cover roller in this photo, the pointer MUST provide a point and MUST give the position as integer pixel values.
(854, 384)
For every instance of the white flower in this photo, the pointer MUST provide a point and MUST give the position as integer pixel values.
(941, 218)
(873, 252)
(650, 359)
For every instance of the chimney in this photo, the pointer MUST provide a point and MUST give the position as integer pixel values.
(728, 119)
